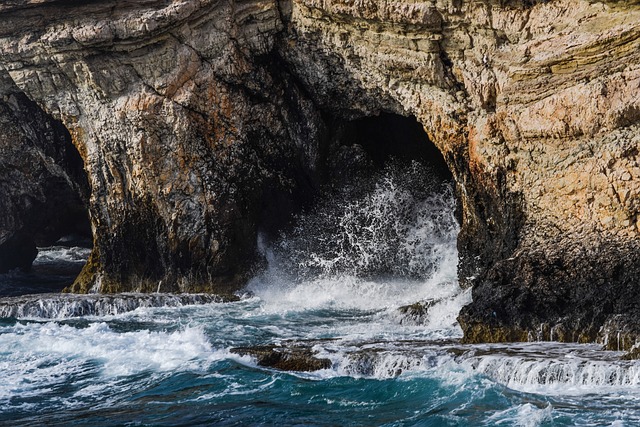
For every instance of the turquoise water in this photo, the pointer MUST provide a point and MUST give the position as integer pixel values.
(172, 366)
(163, 360)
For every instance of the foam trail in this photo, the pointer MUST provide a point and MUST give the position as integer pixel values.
(525, 415)
(63, 306)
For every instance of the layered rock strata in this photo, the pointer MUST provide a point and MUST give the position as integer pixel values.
(199, 121)
(187, 126)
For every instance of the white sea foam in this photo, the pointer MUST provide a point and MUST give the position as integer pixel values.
(39, 356)
(57, 254)
(38, 360)
(63, 306)
(236, 389)
(525, 415)
(342, 292)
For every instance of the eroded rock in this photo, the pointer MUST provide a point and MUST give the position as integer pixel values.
(288, 358)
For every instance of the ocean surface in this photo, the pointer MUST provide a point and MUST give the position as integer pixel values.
(335, 282)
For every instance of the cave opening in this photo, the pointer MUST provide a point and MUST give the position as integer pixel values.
(385, 208)
(45, 237)
(389, 137)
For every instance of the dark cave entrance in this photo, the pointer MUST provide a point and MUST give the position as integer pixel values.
(388, 137)
(384, 206)
(49, 232)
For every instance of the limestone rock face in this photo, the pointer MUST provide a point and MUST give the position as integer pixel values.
(196, 120)
(186, 125)
(534, 106)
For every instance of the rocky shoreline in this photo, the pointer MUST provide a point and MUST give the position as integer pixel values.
(201, 124)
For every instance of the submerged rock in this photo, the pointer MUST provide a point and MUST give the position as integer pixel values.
(633, 354)
(289, 358)
(415, 313)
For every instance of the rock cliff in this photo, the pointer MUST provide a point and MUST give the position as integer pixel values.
(201, 122)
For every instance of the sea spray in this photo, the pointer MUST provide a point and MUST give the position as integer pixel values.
(381, 243)
(398, 223)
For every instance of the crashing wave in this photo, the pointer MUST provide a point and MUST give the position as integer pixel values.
(391, 225)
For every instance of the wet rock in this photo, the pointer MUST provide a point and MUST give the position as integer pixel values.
(621, 332)
(415, 313)
(288, 358)
(564, 297)
(633, 354)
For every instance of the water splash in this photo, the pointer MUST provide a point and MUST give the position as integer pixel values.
(376, 245)
(399, 223)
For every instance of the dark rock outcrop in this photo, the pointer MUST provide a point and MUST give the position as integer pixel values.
(298, 358)
(560, 296)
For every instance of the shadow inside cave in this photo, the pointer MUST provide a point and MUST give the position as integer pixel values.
(45, 233)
